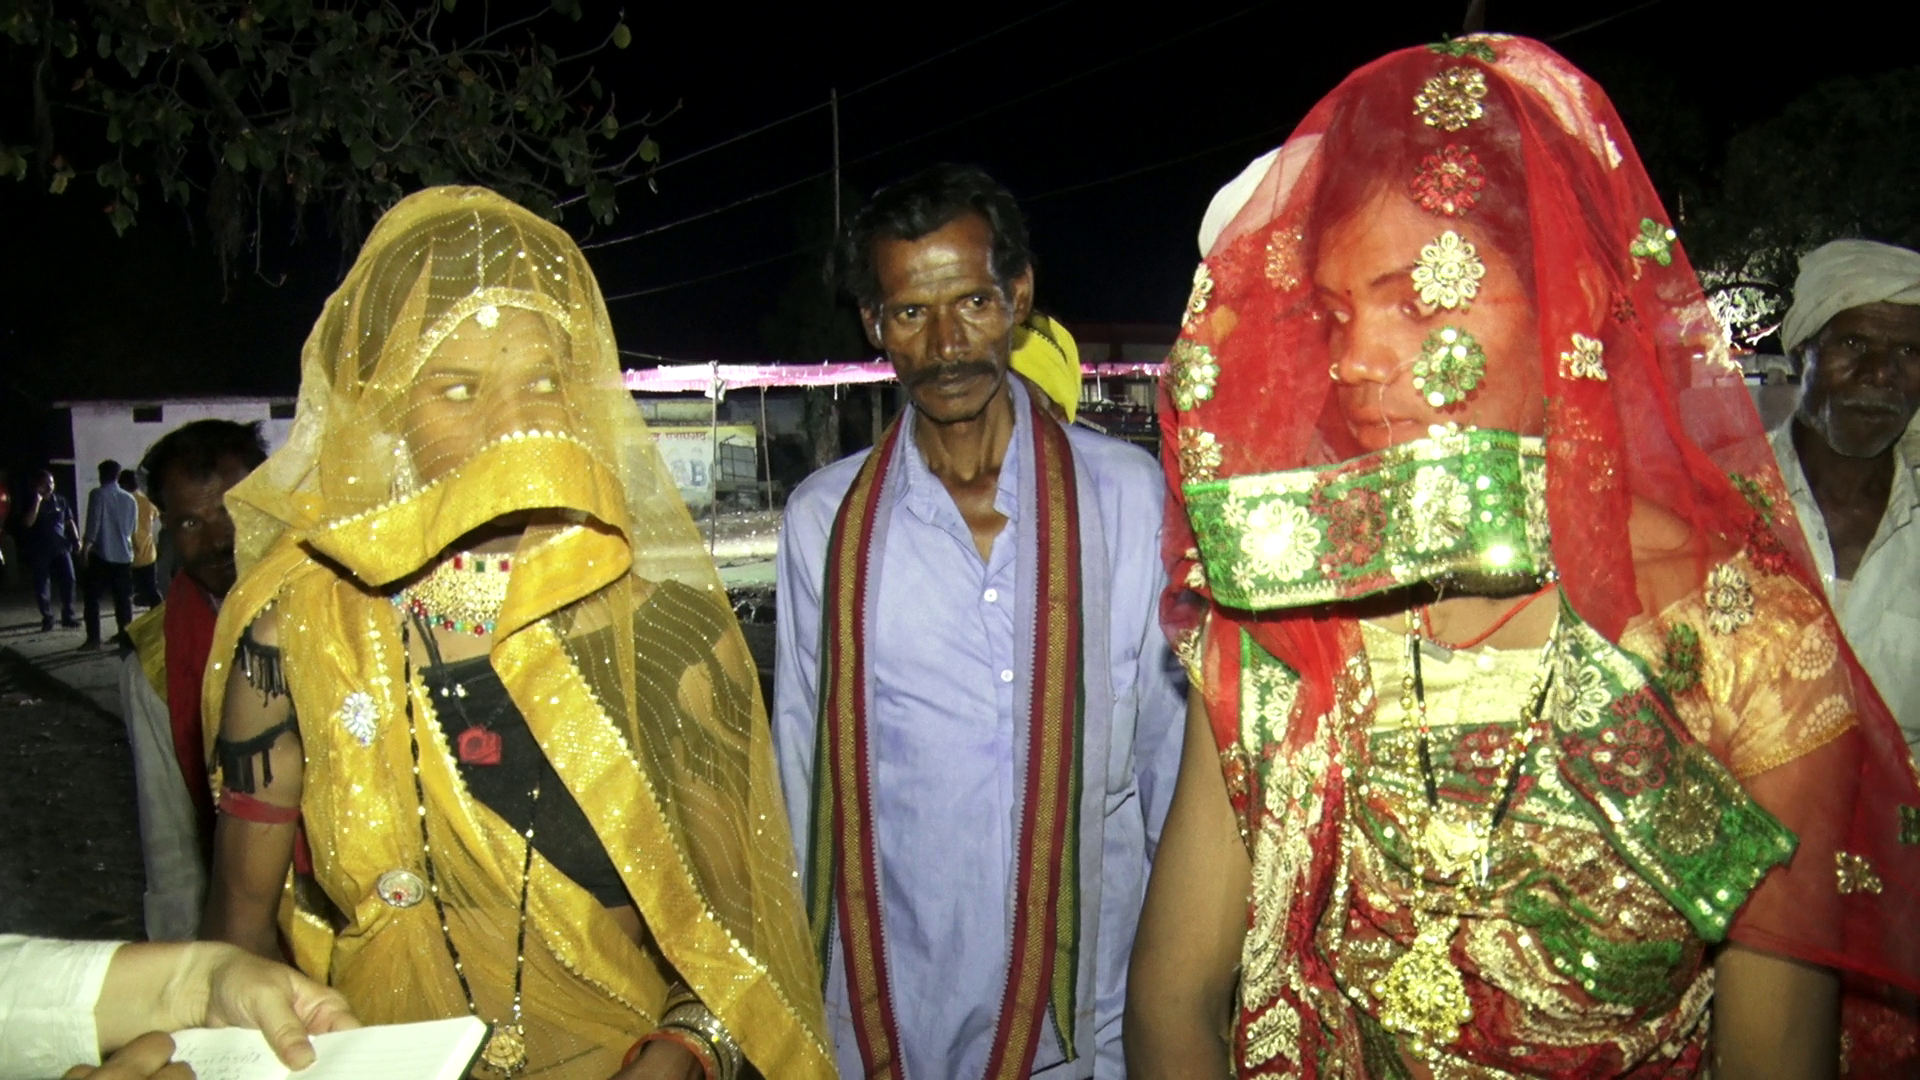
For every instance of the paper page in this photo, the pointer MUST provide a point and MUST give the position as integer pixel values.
(227, 1054)
(434, 1050)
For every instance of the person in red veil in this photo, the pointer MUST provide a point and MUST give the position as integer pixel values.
(1522, 741)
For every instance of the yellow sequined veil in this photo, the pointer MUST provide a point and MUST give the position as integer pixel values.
(615, 641)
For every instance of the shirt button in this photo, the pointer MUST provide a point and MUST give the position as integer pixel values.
(990, 595)
(1007, 675)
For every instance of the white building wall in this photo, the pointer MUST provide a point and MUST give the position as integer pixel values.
(107, 429)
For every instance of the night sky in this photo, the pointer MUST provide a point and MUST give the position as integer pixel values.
(1113, 127)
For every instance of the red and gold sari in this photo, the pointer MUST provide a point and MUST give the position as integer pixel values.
(1716, 769)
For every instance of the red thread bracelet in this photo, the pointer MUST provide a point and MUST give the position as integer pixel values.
(239, 804)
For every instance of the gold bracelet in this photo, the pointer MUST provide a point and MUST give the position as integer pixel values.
(696, 1019)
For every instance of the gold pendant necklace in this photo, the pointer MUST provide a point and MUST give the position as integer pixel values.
(506, 1048)
(1423, 995)
(505, 1051)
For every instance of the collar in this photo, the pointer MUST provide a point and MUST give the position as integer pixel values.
(1902, 498)
(927, 498)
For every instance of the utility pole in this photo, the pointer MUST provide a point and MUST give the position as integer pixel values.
(833, 106)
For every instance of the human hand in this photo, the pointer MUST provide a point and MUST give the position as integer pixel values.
(663, 1059)
(166, 986)
(145, 1058)
(244, 990)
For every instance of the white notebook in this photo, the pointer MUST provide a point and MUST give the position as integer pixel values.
(435, 1050)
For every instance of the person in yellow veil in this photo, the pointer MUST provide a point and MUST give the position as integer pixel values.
(484, 666)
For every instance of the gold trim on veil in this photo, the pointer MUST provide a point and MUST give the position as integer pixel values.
(615, 641)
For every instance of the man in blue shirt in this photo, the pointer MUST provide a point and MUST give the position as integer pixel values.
(106, 550)
(976, 715)
(52, 536)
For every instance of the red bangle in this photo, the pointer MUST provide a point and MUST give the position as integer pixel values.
(247, 808)
(686, 1041)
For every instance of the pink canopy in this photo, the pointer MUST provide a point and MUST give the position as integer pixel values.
(704, 378)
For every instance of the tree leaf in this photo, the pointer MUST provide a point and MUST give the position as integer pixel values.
(649, 150)
(237, 156)
(622, 37)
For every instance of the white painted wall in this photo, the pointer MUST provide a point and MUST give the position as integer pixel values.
(106, 429)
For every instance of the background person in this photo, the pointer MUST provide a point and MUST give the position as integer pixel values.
(486, 662)
(189, 471)
(106, 552)
(1524, 740)
(146, 584)
(1849, 454)
(52, 536)
(67, 1003)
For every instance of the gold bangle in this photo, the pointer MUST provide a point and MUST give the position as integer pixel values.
(697, 1020)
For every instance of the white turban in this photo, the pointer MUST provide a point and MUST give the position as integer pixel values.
(1848, 274)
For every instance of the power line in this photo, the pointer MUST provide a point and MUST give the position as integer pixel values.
(1169, 162)
(1604, 20)
(742, 268)
(1058, 83)
(811, 109)
(970, 118)
(1215, 148)
(882, 80)
(756, 197)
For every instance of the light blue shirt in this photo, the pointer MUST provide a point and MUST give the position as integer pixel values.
(111, 517)
(947, 663)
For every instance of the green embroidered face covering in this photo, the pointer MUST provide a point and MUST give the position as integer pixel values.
(1466, 508)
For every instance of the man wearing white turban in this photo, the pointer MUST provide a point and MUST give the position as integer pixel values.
(1850, 456)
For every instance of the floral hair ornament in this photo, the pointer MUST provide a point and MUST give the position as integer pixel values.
(1449, 182)
(1450, 366)
(1449, 272)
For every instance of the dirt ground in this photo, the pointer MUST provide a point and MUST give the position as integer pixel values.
(70, 843)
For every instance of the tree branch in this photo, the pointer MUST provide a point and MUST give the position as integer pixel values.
(208, 79)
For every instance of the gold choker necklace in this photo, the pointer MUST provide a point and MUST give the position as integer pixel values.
(462, 594)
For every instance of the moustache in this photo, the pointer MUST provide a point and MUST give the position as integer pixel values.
(1889, 404)
(955, 369)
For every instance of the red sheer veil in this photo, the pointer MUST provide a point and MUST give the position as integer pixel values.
(1502, 140)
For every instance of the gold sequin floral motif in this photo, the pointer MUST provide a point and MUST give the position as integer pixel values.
(1449, 272)
(1586, 360)
(1280, 540)
(1197, 299)
(1436, 509)
(1283, 257)
(1199, 454)
(1855, 874)
(1194, 373)
(1729, 599)
(1451, 100)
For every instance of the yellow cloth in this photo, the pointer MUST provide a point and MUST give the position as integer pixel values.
(1047, 355)
(670, 761)
(144, 536)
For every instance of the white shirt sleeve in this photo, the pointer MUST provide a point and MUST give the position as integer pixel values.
(47, 994)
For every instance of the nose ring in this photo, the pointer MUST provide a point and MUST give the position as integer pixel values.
(1333, 371)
